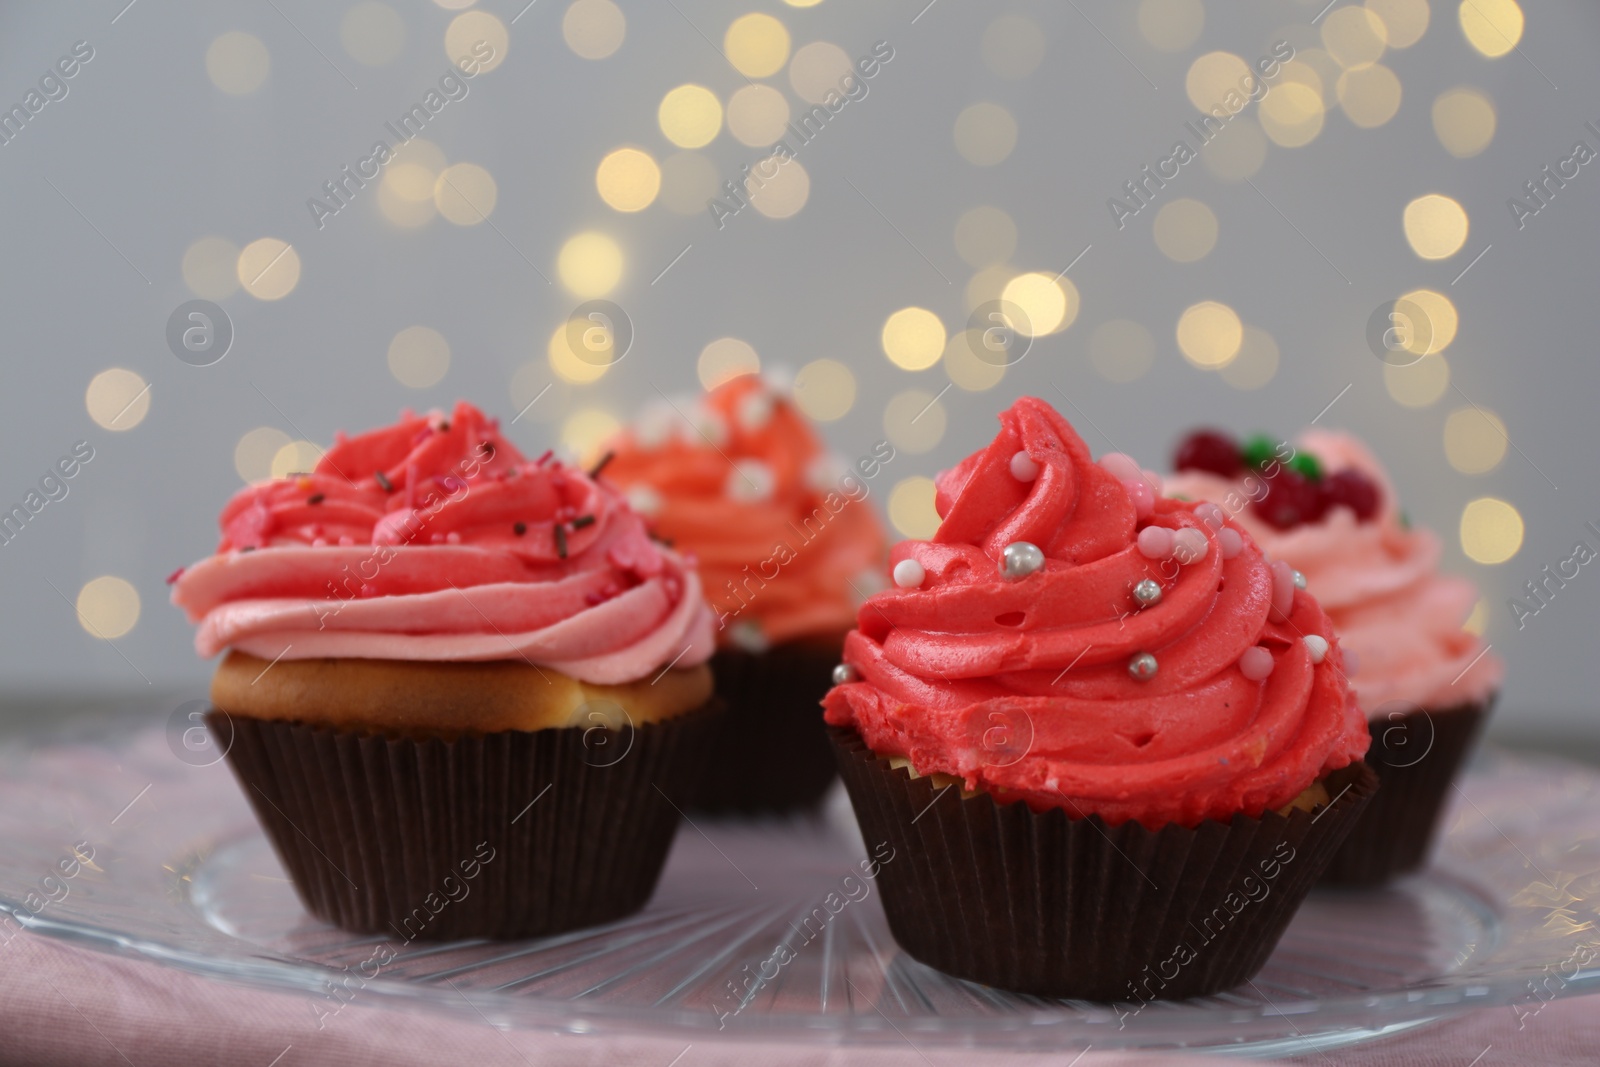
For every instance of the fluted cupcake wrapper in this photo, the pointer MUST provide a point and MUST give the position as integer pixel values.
(503, 835)
(1417, 756)
(1056, 906)
(772, 752)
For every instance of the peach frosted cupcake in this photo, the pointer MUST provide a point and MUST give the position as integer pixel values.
(462, 689)
(1108, 740)
(786, 544)
(1327, 508)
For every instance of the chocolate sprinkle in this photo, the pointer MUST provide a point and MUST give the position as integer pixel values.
(519, 528)
(315, 498)
(598, 467)
(581, 521)
(561, 540)
(383, 481)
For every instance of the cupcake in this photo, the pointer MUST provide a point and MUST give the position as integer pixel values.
(464, 691)
(787, 545)
(1107, 741)
(1324, 506)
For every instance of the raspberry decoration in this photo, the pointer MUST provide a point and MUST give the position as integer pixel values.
(1299, 491)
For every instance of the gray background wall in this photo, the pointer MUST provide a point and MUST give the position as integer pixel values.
(105, 189)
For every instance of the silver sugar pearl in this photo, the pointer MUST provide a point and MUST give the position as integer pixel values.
(1299, 580)
(1142, 667)
(1020, 559)
(1147, 592)
(844, 674)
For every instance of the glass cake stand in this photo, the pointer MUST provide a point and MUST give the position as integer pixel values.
(181, 875)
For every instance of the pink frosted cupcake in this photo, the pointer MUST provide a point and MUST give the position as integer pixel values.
(1325, 506)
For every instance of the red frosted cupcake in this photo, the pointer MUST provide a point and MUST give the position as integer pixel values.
(1108, 740)
(462, 690)
(787, 546)
(1327, 508)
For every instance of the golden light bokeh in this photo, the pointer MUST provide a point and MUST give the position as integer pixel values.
(594, 29)
(688, 182)
(1213, 76)
(1404, 21)
(590, 264)
(1464, 121)
(1236, 153)
(566, 364)
(468, 32)
(1475, 440)
(911, 507)
(465, 194)
(1436, 226)
(1050, 304)
(757, 45)
(1292, 114)
(690, 116)
(1171, 25)
(985, 134)
(405, 196)
(108, 607)
(1354, 35)
(987, 284)
(818, 69)
(1491, 530)
(268, 268)
(585, 430)
(1012, 47)
(1493, 27)
(914, 421)
(724, 359)
(208, 268)
(802, 3)
(784, 193)
(418, 357)
(1419, 384)
(1209, 334)
(1478, 621)
(238, 63)
(1370, 94)
(825, 390)
(1185, 230)
(913, 338)
(1256, 363)
(253, 455)
(964, 368)
(1442, 322)
(628, 179)
(985, 236)
(296, 457)
(372, 33)
(1121, 350)
(117, 399)
(757, 115)
(407, 214)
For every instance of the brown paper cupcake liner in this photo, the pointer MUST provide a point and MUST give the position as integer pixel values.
(772, 753)
(503, 835)
(1417, 755)
(1056, 906)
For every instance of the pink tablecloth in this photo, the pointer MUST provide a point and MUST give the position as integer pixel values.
(64, 1005)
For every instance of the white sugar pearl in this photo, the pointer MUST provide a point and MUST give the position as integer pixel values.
(908, 574)
(1316, 647)
(750, 481)
(1256, 664)
(1023, 467)
(1230, 541)
(644, 500)
(1189, 546)
(1121, 467)
(755, 410)
(824, 473)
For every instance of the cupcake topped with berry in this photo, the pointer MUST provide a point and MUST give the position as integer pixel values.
(1326, 507)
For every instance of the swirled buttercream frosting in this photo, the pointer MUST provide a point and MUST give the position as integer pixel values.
(1071, 639)
(435, 539)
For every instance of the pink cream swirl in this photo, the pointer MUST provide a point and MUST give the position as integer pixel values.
(1380, 583)
(434, 539)
(1023, 687)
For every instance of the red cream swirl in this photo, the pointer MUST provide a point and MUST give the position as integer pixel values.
(1023, 687)
(435, 539)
